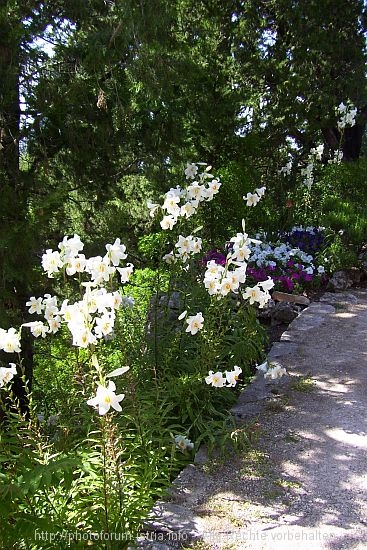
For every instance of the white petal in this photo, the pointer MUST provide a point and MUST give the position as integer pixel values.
(116, 406)
(263, 367)
(117, 372)
(183, 315)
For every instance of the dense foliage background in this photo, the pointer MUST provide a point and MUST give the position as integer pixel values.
(102, 104)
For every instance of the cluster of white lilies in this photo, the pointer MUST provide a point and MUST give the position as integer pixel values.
(89, 320)
(219, 280)
(184, 249)
(184, 202)
(347, 115)
(92, 318)
(346, 119)
(10, 343)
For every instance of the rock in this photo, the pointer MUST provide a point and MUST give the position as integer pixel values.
(354, 274)
(284, 312)
(164, 310)
(332, 298)
(169, 522)
(341, 280)
(294, 298)
(363, 257)
(266, 311)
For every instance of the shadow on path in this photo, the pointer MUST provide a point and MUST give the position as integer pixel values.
(304, 484)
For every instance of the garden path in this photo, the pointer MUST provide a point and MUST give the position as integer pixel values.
(303, 483)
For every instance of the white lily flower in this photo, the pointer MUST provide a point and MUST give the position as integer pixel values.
(191, 170)
(10, 340)
(125, 272)
(76, 264)
(268, 284)
(212, 286)
(153, 207)
(188, 209)
(233, 376)
(196, 191)
(99, 269)
(183, 444)
(82, 336)
(251, 199)
(104, 325)
(275, 372)
(70, 247)
(116, 252)
(168, 222)
(7, 373)
(195, 323)
(37, 328)
(214, 186)
(35, 305)
(215, 379)
(253, 294)
(106, 398)
(51, 262)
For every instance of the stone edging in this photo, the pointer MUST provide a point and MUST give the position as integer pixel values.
(172, 524)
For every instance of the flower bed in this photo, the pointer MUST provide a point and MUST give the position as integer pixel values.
(290, 259)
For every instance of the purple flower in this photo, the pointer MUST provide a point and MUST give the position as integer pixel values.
(286, 282)
(215, 255)
(259, 274)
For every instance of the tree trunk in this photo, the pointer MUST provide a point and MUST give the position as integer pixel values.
(13, 200)
(351, 141)
(353, 137)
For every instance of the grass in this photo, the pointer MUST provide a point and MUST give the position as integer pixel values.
(304, 384)
(275, 405)
(291, 437)
(288, 484)
(272, 494)
(257, 464)
(199, 545)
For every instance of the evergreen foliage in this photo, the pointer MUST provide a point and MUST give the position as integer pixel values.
(101, 105)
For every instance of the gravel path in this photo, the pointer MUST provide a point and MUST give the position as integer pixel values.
(303, 483)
